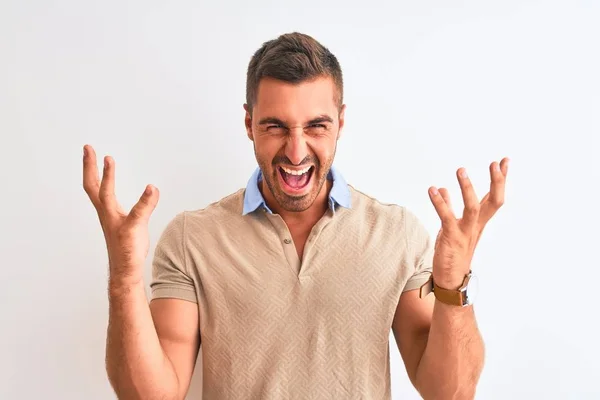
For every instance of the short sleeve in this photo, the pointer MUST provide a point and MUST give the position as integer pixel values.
(170, 276)
(419, 251)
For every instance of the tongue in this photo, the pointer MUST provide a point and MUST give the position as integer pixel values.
(296, 181)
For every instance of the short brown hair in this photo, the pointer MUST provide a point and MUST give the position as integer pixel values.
(292, 57)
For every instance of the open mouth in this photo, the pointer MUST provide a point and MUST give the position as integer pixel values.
(295, 180)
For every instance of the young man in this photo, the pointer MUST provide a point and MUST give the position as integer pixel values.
(293, 283)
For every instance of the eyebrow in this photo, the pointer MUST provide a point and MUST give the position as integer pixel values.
(277, 121)
(321, 119)
(271, 120)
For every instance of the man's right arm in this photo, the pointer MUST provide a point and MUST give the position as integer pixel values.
(151, 350)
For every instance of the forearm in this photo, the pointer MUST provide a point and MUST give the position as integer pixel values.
(136, 364)
(453, 358)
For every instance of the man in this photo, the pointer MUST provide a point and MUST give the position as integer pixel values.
(293, 283)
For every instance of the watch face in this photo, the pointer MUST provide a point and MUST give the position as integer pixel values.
(472, 290)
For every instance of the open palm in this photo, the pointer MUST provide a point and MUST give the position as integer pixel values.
(126, 234)
(458, 237)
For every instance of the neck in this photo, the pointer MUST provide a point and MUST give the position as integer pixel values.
(310, 216)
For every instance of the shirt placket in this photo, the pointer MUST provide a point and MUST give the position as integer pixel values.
(285, 237)
(301, 268)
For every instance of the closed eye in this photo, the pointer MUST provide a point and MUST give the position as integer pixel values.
(317, 129)
(276, 130)
(275, 127)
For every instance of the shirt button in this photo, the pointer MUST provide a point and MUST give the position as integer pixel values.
(287, 241)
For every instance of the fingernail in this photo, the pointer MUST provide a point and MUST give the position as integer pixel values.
(434, 191)
(149, 190)
(85, 152)
(463, 173)
(497, 167)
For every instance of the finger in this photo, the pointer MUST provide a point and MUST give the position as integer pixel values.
(446, 196)
(471, 210)
(442, 209)
(495, 198)
(91, 183)
(107, 186)
(142, 210)
(111, 202)
(485, 198)
(504, 166)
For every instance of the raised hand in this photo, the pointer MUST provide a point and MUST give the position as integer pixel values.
(457, 238)
(126, 234)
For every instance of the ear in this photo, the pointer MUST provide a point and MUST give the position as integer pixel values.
(341, 119)
(248, 122)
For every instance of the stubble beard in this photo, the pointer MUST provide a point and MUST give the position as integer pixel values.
(296, 203)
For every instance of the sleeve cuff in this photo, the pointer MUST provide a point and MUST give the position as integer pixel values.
(416, 281)
(172, 292)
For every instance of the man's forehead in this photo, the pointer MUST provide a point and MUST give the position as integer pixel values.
(304, 100)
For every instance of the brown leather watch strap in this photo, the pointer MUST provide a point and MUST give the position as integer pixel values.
(452, 297)
(456, 297)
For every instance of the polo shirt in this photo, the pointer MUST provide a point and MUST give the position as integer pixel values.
(274, 326)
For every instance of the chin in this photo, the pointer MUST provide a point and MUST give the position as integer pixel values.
(295, 204)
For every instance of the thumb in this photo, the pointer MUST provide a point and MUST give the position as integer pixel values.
(142, 210)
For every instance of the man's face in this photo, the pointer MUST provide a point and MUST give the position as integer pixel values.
(295, 128)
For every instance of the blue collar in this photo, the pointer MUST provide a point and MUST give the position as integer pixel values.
(338, 195)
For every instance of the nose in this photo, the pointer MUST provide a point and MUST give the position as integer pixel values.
(296, 148)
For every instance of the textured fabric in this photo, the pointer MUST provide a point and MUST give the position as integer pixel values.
(338, 195)
(273, 327)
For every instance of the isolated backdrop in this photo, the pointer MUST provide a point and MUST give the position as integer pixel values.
(430, 87)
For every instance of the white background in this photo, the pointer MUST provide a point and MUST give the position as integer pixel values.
(430, 87)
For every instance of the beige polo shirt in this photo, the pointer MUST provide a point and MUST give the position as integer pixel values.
(275, 327)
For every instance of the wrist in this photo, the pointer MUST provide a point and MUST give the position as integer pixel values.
(451, 280)
(118, 288)
(453, 308)
(450, 292)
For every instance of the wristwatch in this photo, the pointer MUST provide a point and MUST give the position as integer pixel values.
(462, 297)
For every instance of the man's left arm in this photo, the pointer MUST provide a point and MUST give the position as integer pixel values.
(440, 344)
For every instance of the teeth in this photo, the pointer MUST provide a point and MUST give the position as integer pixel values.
(293, 172)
